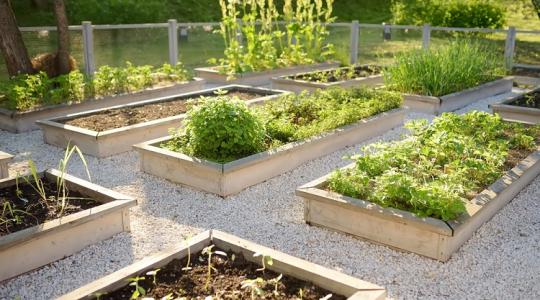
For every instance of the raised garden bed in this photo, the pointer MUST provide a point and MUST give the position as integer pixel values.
(5, 159)
(212, 74)
(100, 214)
(523, 108)
(401, 228)
(229, 178)
(21, 121)
(454, 101)
(316, 281)
(345, 77)
(116, 129)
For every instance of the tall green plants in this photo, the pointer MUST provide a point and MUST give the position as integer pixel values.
(254, 41)
(444, 70)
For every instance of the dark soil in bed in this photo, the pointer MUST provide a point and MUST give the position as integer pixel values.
(121, 117)
(531, 100)
(341, 74)
(27, 209)
(526, 72)
(226, 281)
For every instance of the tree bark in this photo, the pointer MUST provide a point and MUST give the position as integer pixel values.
(11, 42)
(62, 54)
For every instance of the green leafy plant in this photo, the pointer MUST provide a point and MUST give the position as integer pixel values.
(223, 130)
(444, 70)
(139, 290)
(264, 45)
(439, 167)
(220, 128)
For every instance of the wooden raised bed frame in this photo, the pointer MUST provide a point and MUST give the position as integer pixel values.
(212, 75)
(5, 159)
(118, 140)
(403, 230)
(34, 247)
(22, 121)
(514, 113)
(231, 178)
(454, 101)
(331, 280)
(298, 86)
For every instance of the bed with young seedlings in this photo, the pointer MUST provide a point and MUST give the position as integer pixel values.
(28, 98)
(431, 191)
(116, 129)
(524, 108)
(5, 159)
(257, 48)
(217, 265)
(447, 78)
(225, 147)
(47, 216)
(345, 77)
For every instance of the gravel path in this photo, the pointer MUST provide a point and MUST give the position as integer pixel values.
(501, 261)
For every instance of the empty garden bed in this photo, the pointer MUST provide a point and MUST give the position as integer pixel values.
(216, 263)
(114, 130)
(345, 77)
(43, 221)
(524, 108)
(392, 205)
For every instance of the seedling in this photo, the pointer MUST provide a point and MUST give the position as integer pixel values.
(187, 267)
(254, 286)
(153, 274)
(208, 251)
(275, 282)
(139, 290)
(265, 260)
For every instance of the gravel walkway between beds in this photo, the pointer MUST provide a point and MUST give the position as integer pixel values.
(501, 261)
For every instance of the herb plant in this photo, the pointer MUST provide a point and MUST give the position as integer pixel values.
(435, 171)
(223, 129)
(264, 45)
(29, 91)
(444, 70)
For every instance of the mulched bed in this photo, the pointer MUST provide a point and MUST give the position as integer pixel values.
(526, 72)
(337, 75)
(225, 282)
(121, 117)
(30, 209)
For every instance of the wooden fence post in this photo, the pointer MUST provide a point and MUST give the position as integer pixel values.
(355, 31)
(387, 32)
(509, 48)
(88, 48)
(426, 36)
(173, 42)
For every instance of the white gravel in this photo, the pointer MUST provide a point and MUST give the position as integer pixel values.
(501, 261)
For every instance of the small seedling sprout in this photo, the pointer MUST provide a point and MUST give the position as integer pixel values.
(254, 286)
(186, 241)
(265, 260)
(208, 251)
(139, 290)
(153, 274)
(275, 282)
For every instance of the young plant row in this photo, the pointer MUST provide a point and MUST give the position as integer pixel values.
(26, 91)
(254, 41)
(222, 129)
(441, 166)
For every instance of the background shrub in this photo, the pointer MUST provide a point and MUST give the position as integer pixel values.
(444, 70)
(450, 13)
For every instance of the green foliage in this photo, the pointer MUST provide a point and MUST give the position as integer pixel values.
(220, 129)
(435, 171)
(29, 91)
(264, 45)
(450, 13)
(215, 130)
(296, 117)
(448, 69)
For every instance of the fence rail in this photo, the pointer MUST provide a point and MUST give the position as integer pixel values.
(355, 31)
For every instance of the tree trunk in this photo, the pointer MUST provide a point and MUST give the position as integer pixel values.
(62, 55)
(11, 42)
(536, 4)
